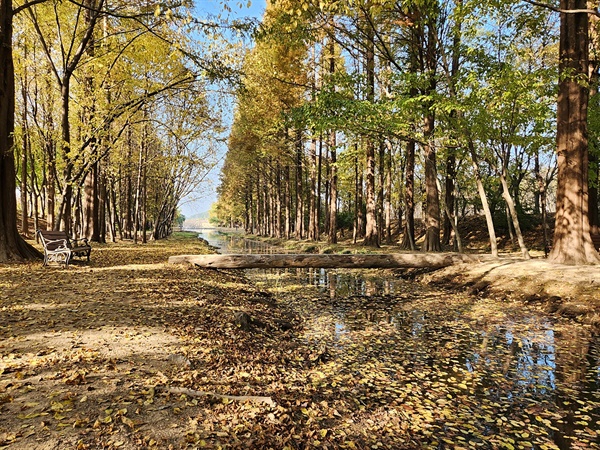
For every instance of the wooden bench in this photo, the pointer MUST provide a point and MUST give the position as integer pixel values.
(60, 248)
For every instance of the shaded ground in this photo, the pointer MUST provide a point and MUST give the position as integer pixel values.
(89, 357)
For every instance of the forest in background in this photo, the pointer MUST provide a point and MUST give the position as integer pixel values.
(347, 112)
(115, 118)
(357, 115)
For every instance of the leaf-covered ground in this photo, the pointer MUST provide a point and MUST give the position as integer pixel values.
(91, 357)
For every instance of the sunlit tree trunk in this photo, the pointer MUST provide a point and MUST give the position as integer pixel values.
(333, 175)
(12, 246)
(288, 204)
(388, 195)
(313, 216)
(449, 194)
(299, 187)
(371, 234)
(572, 241)
(510, 204)
(333, 189)
(484, 202)
(432, 211)
(24, 153)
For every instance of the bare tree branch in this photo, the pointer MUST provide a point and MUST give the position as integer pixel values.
(564, 11)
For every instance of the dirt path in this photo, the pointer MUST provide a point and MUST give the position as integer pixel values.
(88, 357)
(83, 350)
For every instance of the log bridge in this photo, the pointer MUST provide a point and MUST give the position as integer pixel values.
(329, 261)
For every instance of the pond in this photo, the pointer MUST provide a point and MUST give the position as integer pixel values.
(462, 371)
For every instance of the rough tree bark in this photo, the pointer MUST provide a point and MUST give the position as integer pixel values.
(12, 245)
(24, 153)
(408, 241)
(371, 234)
(572, 241)
(333, 180)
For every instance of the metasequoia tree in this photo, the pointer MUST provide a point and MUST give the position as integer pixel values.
(271, 146)
(12, 245)
(572, 242)
(469, 79)
(101, 92)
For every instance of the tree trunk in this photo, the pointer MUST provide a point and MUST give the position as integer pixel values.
(91, 204)
(541, 196)
(24, 154)
(50, 183)
(299, 187)
(432, 215)
(510, 204)
(313, 218)
(408, 241)
(594, 213)
(138, 190)
(453, 224)
(593, 162)
(371, 234)
(64, 211)
(35, 198)
(145, 197)
(388, 195)
(357, 201)
(319, 184)
(333, 187)
(482, 195)
(267, 261)
(449, 194)
(12, 245)
(127, 215)
(572, 241)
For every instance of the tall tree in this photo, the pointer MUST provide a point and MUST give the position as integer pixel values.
(371, 233)
(572, 241)
(12, 245)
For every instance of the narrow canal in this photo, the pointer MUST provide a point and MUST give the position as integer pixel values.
(463, 372)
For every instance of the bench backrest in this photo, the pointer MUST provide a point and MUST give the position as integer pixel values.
(48, 236)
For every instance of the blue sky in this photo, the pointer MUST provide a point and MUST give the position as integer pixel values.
(254, 8)
(200, 201)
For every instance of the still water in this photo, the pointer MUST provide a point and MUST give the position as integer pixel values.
(495, 374)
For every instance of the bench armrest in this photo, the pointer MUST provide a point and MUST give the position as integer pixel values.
(82, 242)
(62, 244)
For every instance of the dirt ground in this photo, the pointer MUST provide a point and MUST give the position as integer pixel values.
(572, 291)
(83, 350)
(126, 352)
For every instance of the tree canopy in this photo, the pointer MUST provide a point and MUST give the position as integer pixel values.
(461, 94)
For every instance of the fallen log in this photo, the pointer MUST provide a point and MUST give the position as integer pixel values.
(283, 261)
